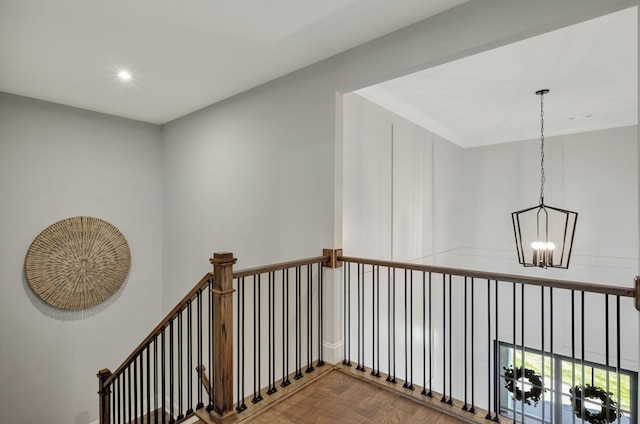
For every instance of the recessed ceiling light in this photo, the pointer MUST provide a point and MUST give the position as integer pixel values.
(124, 75)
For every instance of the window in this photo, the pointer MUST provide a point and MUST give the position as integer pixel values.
(552, 396)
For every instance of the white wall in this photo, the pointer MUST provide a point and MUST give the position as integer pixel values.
(58, 162)
(253, 176)
(401, 187)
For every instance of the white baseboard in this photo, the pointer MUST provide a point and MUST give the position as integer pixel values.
(333, 353)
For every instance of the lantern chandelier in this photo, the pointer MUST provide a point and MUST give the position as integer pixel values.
(544, 234)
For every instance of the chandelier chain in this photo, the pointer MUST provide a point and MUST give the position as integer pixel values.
(542, 176)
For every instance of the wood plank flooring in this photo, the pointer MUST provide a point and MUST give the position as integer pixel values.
(338, 398)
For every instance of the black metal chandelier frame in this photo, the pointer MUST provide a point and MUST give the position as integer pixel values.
(552, 229)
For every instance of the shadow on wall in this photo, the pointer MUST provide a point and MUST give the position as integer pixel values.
(69, 315)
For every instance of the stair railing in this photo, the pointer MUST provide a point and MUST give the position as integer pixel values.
(159, 381)
(185, 366)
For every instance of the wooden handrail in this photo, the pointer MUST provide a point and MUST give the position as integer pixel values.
(181, 305)
(199, 286)
(277, 267)
(534, 281)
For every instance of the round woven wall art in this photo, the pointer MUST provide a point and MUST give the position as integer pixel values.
(77, 263)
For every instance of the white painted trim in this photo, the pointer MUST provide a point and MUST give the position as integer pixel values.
(333, 353)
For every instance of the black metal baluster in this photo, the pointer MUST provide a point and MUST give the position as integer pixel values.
(444, 339)
(392, 326)
(257, 396)
(410, 386)
(606, 344)
(123, 390)
(269, 335)
(542, 349)
(298, 326)
(141, 375)
(128, 394)
(114, 405)
(180, 365)
(496, 371)
(552, 359)
(298, 374)
(360, 366)
(584, 385)
(359, 347)
(320, 314)
(389, 327)
(514, 351)
(123, 395)
(406, 353)
(135, 388)
(199, 327)
(310, 367)
(411, 329)
(573, 351)
(211, 347)
(163, 376)
(411, 326)
(241, 346)
(155, 378)
(473, 297)
(450, 401)
(466, 388)
(430, 394)
(148, 364)
(259, 333)
(378, 319)
(347, 313)
(189, 358)
(171, 345)
(424, 333)
(618, 355)
(272, 330)
(118, 397)
(285, 329)
(488, 416)
(522, 289)
(114, 399)
(375, 322)
(123, 404)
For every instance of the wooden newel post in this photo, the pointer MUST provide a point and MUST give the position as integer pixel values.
(103, 375)
(223, 410)
(637, 285)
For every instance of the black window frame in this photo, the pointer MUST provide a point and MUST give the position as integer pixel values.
(556, 392)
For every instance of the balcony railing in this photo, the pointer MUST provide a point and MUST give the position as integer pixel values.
(489, 345)
(475, 344)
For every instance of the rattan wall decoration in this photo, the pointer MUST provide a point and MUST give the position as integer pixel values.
(77, 263)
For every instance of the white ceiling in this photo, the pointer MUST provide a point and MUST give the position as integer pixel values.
(183, 55)
(591, 69)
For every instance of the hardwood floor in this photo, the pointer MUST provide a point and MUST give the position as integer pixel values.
(338, 398)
